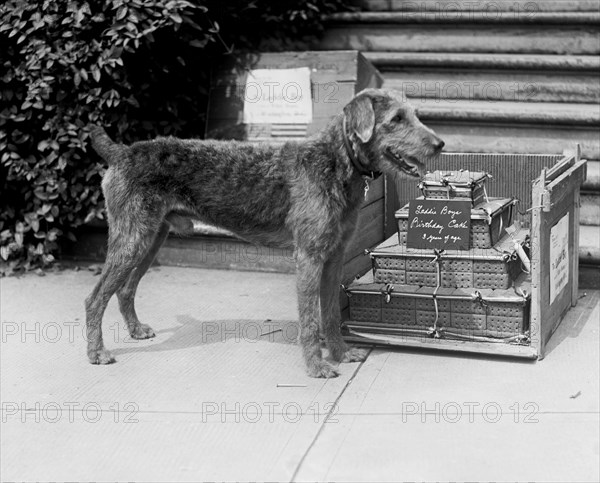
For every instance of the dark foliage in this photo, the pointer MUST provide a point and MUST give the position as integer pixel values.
(138, 66)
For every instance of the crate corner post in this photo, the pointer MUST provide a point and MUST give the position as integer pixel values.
(554, 245)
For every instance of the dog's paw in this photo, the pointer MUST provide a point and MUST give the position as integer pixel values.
(342, 352)
(101, 356)
(322, 368)
(142, 331)
(354, 354)
(337, 349)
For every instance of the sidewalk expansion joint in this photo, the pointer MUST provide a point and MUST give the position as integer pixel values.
(329, 414)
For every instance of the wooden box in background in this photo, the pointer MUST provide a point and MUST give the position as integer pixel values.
(335, 78)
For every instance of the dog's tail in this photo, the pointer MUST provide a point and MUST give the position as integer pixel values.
(110, 151)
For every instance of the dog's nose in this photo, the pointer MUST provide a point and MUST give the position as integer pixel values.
(439, 144)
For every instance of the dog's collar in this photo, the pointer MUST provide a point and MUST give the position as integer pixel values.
(352, 155)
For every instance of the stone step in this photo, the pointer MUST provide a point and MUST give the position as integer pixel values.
(574, 33)
(524, 6)
(223, 252)
(592, 182)
(556, 113)
(203, 250)
(589, 245)
(590, 209)
(468, 16)
(489, 61)
(512, 127)
(493, 77)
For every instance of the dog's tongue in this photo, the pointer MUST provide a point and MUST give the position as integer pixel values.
(414, 172)
(409, 169)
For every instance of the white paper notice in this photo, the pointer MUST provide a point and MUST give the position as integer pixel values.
(278, 96)
(559, 257)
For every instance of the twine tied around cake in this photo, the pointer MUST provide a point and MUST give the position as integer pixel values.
(434, 331)
(387, 292)
(479, 298)
(509, 256)
(487, 200)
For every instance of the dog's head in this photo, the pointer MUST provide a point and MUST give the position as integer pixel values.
(386, 135)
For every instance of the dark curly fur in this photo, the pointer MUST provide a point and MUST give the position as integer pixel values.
(304, 195)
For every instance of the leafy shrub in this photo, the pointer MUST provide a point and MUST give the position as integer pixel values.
(140, 67)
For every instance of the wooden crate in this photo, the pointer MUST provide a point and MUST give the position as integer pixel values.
(555, 201)
(554, 211)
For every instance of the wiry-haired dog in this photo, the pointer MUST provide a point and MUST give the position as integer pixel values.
(303, 195)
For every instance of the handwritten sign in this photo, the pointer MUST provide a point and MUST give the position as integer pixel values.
(559, 257)
(440, 224)
(278, 96)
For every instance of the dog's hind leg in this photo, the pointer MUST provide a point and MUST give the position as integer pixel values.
(126, 293)
(310, 268)
(127, 247)
(330, 311)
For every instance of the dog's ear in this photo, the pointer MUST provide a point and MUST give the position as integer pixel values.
(360, 118)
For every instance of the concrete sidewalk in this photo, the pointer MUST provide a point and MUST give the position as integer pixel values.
(201, 400)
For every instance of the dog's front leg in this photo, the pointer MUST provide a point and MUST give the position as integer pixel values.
(309, 272)
(330, 311)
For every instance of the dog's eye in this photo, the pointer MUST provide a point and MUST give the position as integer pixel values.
(397, 118)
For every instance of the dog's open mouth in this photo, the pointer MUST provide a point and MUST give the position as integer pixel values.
(410, 166)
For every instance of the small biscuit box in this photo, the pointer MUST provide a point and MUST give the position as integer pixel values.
(489, 221)
(461, 185)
